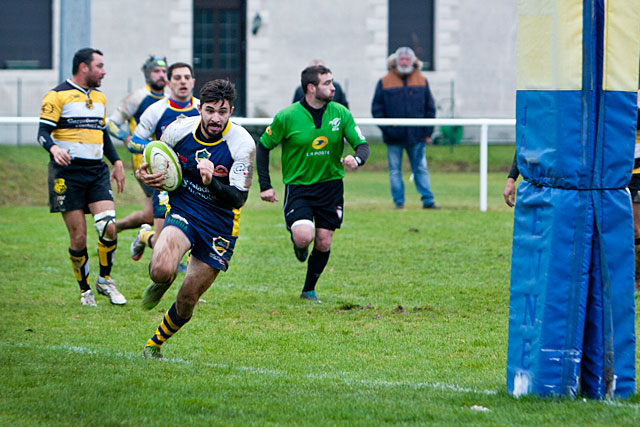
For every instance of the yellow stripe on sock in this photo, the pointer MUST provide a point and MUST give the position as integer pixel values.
(145, 236)
(166, 330)
(152, 343)
(77, 263)
(103, 251)
(170, 322)
(160, 337)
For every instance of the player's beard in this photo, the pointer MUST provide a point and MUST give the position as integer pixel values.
(157, 86)
(325, 98)
(211, 133)
(93, 82)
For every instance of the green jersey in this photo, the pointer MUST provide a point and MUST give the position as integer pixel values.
(309, 154)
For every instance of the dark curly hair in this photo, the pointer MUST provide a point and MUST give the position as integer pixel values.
(218, 90)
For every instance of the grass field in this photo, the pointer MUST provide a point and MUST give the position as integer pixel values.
(413, 329)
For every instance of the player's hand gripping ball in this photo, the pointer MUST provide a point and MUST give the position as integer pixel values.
(162, 159)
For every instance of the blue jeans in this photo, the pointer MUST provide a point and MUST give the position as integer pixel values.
(418, 162)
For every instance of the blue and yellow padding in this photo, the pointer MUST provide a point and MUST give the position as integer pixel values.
(572, 313)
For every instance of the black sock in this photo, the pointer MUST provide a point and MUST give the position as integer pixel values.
(106, 251)
(315, 265)
(80, 263)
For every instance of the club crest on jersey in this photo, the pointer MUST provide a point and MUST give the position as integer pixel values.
(47, 108)
(221, 245)
(268, 130)
(320, 142)
(202, 154)
(59, 186)
(336, 124)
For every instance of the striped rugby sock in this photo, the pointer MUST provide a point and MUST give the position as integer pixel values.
(106, 251)
(80, 263)
(171, 323)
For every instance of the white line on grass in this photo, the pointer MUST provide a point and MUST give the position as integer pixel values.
(343, 377)
(275, 372)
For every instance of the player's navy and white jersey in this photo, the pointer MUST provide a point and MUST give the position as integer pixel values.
(157, 117)
(130, 110)
(232, 155)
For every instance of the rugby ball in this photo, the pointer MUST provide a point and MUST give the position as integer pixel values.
(162, 159)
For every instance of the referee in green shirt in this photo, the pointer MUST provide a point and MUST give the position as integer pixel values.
(311, 132)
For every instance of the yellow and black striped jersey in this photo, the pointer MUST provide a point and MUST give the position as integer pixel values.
(78, 116)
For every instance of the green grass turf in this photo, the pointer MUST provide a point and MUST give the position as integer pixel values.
(413, 329)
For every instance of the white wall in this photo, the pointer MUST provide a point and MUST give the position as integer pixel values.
(350, 36)
(127, 32)
(474, 49)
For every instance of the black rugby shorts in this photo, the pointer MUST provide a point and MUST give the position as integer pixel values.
(322, 203)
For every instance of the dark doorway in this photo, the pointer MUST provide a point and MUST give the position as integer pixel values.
(411, 24)
(219, 45)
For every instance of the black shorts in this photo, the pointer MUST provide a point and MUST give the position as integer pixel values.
(75, 186)
(322, 203)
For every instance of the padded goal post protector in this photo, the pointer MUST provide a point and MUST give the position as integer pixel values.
(572, 313)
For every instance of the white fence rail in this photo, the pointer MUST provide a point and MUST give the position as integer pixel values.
(484, 125)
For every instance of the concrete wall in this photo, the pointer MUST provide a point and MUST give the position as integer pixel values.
(475, 58)
(127, 32)
(350, 36)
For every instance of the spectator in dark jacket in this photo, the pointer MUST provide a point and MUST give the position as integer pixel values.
(404, 93)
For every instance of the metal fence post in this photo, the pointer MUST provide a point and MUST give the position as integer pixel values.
(484, 143)
(19, 112)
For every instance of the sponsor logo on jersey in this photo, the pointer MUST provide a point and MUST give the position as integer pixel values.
(179, 218)
(336, 124)
(163, 198)
(220, 171)
(239, 168)
(221, 245)
(320, 142)
(59, 186)
(176, 220)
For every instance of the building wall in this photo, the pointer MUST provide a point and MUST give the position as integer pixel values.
(127, 32)
(474, 53)
(349, 36)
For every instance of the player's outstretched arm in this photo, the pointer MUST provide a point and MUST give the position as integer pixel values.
(267, 192)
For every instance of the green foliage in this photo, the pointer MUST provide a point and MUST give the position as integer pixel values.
(413, 328)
